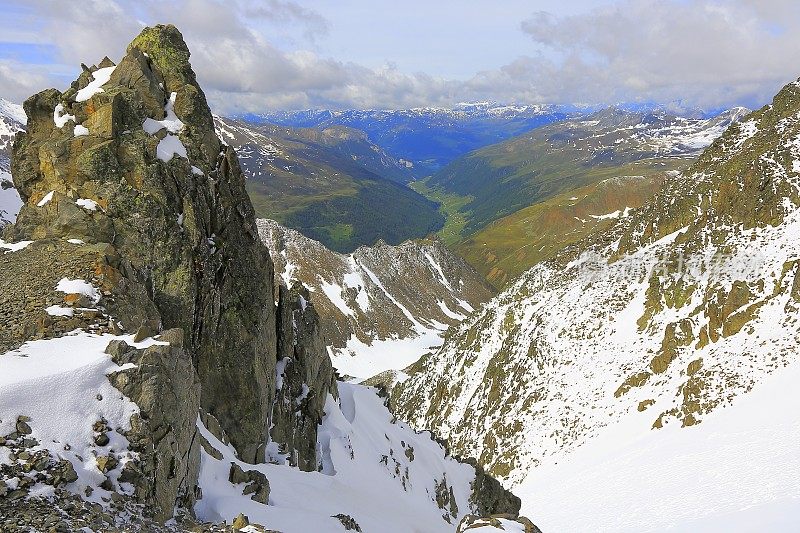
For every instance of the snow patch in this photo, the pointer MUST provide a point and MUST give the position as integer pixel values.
(86, 203)
(78, 286)
(14, 246)
(57, 310)
(99, 78)
(44, 201)
(60, 118)
(172, 123)
(169, 147)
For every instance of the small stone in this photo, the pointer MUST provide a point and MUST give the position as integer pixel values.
(143, 333)
(106, 463)
(41, 464)
(107, 485)
(22, 426)
(101, 439)
(68, 473)
(236, 475)
(99, 397)
(240, 522)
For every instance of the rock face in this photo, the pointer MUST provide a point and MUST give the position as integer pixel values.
(126, 162)
(170, 199)
(305, 377)
(165, 386)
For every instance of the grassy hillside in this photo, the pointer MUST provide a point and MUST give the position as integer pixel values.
(509, 246)
(503, 178)
(332, 185)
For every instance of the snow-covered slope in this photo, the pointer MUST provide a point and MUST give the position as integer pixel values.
(638, 335)
(12, 120)
(737, 471)
(381, 473)
(10, 202)
(372, 468)
(382, 307)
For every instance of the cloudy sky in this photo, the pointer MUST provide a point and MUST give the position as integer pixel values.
(252, 55)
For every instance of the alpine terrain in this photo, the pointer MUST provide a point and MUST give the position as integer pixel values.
(332, 185)
(12, 120)
(154, 377)
(382, 307)
(644, 379)
(513, 204)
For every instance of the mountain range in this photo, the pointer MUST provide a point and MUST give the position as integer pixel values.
(633, 381)
(426, 139)
(426, 320)
(333, 185)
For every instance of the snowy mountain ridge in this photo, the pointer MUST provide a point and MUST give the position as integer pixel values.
(12, 120)
(678, 310)
(381, 307)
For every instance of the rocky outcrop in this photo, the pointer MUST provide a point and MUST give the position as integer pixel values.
(136, 163)
(496, 523)
(126, 166)
(163, 383)
(130, 195)
(304, 378)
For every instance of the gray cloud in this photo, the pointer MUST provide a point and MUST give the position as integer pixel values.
(18, 81)
(702, 52)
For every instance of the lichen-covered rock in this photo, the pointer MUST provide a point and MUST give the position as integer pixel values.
(163, 383)
(151, 179)
(305, 378)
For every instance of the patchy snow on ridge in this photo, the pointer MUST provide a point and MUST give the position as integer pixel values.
(381, 307)
(14, 246)
(381, 473)
(642, 379)
(78, 286)
(99, 78)
(10, 201)
(169, 147)
(61, 385)
(171, 122)
(13, 111)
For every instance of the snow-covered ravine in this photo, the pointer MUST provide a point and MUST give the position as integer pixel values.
(379, 472)
(381, 307)
(737, 471)
(372, 468)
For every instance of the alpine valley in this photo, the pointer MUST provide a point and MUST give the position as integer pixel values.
(481, 318)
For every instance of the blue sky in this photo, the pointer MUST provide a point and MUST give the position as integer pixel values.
(252, 55)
